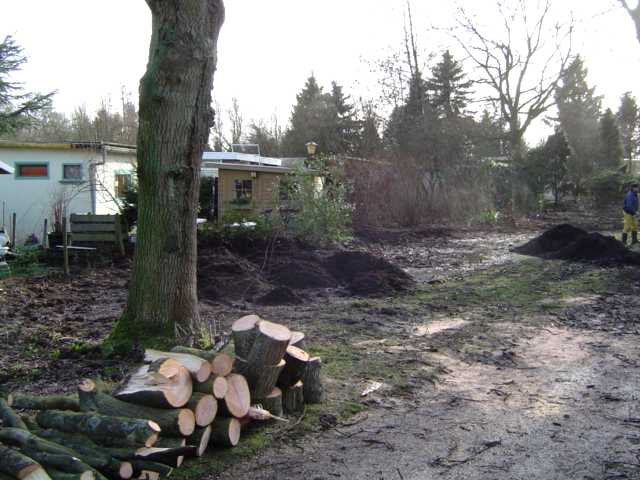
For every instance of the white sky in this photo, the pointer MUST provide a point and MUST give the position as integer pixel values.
(87, 49)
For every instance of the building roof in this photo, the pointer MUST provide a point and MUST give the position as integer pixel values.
(240, 157)
(5, 169)
(110, 147)
(246, 168)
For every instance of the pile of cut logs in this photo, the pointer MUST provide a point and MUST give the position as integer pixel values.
(169, 409)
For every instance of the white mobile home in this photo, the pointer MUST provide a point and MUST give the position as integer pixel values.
(85, 177)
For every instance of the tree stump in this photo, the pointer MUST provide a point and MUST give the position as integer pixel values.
(293, 399)
(177, 422)
(272, 402)
(204, 407)
(243, 332)
(296, 363)
(163, 384)
(225, 432)
(312, 384)
(102, 429)
(199, 368)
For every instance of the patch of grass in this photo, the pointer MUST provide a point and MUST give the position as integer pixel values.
(530, 285)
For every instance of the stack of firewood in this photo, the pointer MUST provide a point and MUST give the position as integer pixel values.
(169, 409)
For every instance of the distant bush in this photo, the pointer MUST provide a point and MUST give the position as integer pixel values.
(609, 186)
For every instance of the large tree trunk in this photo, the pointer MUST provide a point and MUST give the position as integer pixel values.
(175, 117)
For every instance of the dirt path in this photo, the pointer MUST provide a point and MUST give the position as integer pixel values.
(523, 390)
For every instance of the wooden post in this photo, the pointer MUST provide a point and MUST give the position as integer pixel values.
(118, 232)
(65, 250)
(45, 234)
(13, 231)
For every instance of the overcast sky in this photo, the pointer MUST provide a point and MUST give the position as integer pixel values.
(87, 49)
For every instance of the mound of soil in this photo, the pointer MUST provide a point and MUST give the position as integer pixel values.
(280, 296)
(597, 247)
(365, 274)
(552, 240)
(301, 274)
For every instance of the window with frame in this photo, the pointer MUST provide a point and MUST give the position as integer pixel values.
(32, 170)
(72, 172)
(244, 190)
(123, 183)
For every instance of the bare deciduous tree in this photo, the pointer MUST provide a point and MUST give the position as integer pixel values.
(634, 13)
(522, 64)
(237, 121)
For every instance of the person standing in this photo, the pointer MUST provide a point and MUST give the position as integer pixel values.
(630, 209)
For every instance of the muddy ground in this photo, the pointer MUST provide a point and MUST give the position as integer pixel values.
(493, 365)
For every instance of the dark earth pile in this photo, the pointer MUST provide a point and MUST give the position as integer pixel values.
(552, 240)
(566, 242)
(366, 274)
(273, 276)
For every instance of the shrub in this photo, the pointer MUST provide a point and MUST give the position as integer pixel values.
(321, 212)
(608, 186)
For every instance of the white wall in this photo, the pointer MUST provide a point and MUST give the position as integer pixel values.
(105, 180)
(32, 198)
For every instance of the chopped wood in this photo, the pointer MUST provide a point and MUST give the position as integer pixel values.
(178, 422)
(215, 385)
(169, 456)
(58, 461)
(102, 429)
(204, 407)
(225, 432)
(163, 384)
(222, 364)
(58, 475)
(199, 368)
(207, 355)
(148, 475)
(297, 340)
(263, 378)
(145, 465)
(293, 399)
(44, 402)
(164, 442)
(20, 466)
(240, 366)
(200, 439)
(9, 417)
(260, 414)
(296, 363)
(272, 402)
(54, 441)
(243, 332)
(312, 383)
(238, 398)
(272, 340)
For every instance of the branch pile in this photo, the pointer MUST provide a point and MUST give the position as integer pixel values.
(169, 409)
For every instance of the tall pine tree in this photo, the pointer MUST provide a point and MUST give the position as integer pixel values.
(579, 112)
(611, 153)
(448, 88)
(628, 118)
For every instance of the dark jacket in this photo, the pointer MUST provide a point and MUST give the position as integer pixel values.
(630, 203)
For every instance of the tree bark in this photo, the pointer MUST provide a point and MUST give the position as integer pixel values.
(272, 402)
(20, 466)
(225, 432)
(244, 332)
(296, 364)
(173, 422)
(293, 399)
(102, 429)
(200, 439)
(10, 418)
(199, 368)
(312, 383)
(174, 121)
(44, 402)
